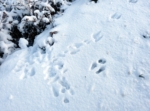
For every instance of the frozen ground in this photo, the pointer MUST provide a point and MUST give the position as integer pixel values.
(99, 62)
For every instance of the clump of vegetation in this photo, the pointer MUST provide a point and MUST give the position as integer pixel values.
(25, 19)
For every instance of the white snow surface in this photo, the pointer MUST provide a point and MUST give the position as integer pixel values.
(23, 43)
(99, 62)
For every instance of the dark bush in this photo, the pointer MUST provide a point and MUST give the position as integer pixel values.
(24, 20)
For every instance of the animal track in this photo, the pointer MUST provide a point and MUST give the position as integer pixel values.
(146, 35)
(19, 66)
(71, 92)
(133, 1)
(63, 90)
(73, 50)
(116, 16)
(97, 36)
(95, 65)
(49, 72)
(61, 86)
(66, 100)
(53, 80)
(32, 72)
(53, 73)
(53, 69)
(102, 61)
(28, 72)
(65, 84)
(100, 70)
(55, 91)
(78, 45)
(87, 41)
(59, 65)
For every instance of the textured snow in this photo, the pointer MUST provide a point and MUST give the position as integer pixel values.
(99, 62)
(23, 43)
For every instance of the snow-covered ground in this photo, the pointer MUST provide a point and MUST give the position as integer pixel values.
(99, 62)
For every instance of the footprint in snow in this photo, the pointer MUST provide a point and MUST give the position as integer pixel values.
(97, 36)
(73, 49)
(100, 70)
(87, 41)
(53, 80)
(19, 66)
(133, 1)
(55, 91)
(63, 90)
(28, 72)
(59, 65)
(102, 61)
(64, 83)
(62, 87)
(95, 65)
(32, 72)
(66, 100)
(116, 16)
(53, 74)
(78, 45)
(53, 70)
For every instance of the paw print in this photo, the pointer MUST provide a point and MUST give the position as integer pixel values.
(102, 68)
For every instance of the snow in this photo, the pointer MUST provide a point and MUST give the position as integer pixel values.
(29, 18)
(23, 43)
(45, 20)
(4, 43)
(99, 62)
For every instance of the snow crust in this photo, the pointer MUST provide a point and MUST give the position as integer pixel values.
(99, 62)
